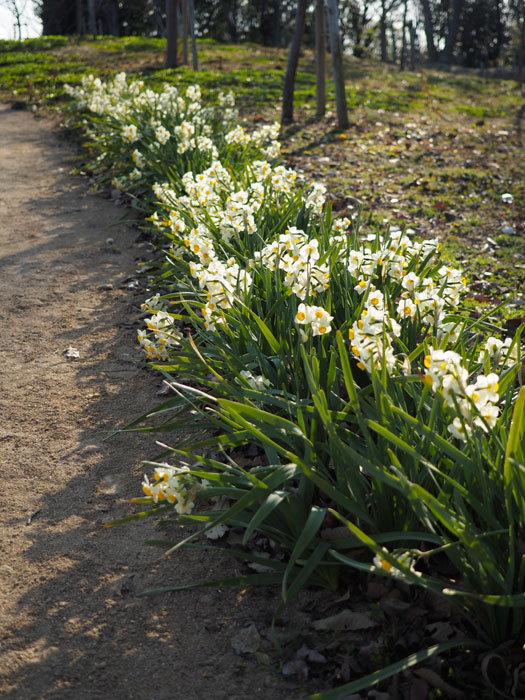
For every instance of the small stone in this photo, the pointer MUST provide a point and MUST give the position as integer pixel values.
(71, 353)
(247, 641)
(297, 668)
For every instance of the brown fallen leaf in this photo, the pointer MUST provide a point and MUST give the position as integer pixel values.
(514, 323)
(432, 678)
(345, 620)
(440, 631)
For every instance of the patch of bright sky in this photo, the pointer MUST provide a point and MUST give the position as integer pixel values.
(31, 25)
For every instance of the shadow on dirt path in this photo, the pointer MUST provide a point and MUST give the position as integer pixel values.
(70, 624)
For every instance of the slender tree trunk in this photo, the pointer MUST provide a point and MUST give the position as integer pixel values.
(429, 30)
(92, 18)
(453, 29)
(337, 64)
(276, 22)
(412, 32)
(293, 60)
(185, 32)
(18, 19)
(382, 32)
(403, 57)
(235, 18)
(80, 18)
(172, 31)
(191, 18)
(394, 44)
(114, 19)
(320, 60)
(521, 54)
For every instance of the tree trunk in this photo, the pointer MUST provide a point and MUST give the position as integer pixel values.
(18, 20)
(382, 32)
(172, 31)
(92, 18)
(115, 30)
(521, 54)
(453, 29)
(337, 64)
(403, 57)
(429, 30)
(394, 45)
(320, 62)
(293, 60)
(80, 18)
(191, 18)
(412, 32)
(276, 23)
(185, 22)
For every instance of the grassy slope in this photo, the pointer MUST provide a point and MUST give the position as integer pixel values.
(428, 150)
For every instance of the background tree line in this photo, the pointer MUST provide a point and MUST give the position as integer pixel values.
(477, 33)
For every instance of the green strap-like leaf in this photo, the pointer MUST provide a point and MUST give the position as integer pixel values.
(249, 580)
(514, 476)
(311, 528)
(389, 671)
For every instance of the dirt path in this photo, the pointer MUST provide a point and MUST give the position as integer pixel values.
(70, 625)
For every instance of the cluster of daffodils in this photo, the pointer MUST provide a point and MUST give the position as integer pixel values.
(298, 256)
(497, 352)
(316, 317)
(227, 206)
(264, 138)
(132, 115)
(372, 334)
(398, 261)
(173, 485)
(123, 99)
(476, 404)
(161, 334)
(111, 97)
(223, 285)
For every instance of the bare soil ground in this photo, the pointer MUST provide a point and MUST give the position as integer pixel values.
(70, 624)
